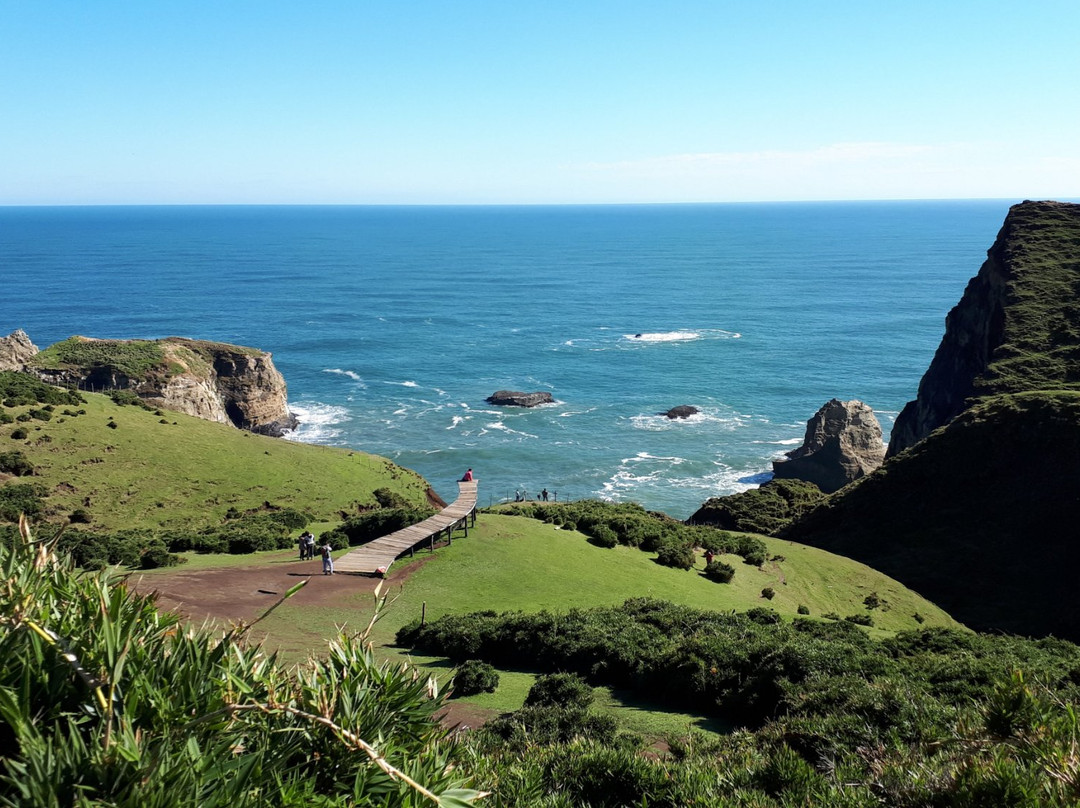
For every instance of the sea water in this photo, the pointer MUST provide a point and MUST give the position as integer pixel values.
(391, 325)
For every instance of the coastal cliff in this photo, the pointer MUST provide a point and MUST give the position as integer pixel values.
(1016, 327)
(230, 384)
(977, 507)
(842, 443)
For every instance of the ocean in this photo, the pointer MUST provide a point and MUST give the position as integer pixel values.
(391, 325)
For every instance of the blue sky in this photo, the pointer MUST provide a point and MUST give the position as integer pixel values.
(563, 102)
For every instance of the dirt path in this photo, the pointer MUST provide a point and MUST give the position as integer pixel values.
(243, 593)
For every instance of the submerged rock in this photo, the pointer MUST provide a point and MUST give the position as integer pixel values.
(843, 443)
(513, 398)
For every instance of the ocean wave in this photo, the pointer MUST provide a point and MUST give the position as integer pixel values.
(784, 442)
(457, 421)
(318, 422)
(352, 374)
(403, 384)
(658, 422)
(501, 427)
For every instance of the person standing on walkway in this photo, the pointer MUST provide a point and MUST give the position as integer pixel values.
(327, 559)
(309, 540)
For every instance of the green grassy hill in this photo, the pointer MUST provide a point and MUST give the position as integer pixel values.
(981, 516)
(171, 470)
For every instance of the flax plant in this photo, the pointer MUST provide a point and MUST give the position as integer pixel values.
(106, 700)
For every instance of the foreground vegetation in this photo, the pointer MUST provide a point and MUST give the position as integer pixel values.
(104, 700)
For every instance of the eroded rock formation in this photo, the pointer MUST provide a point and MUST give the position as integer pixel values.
(843, 443)
(229, 384)
(513, 398)
(1016, 327)
(16, 350)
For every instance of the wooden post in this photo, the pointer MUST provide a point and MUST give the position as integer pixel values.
(423, 614)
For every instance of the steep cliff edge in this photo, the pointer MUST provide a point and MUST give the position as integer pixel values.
(16, 350)
(1016, 328)
(229, 384)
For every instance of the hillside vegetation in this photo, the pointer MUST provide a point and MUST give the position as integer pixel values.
(981, 517)
(132, 468)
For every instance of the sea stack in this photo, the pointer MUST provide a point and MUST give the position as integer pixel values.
(843, 443)
(682, 411)
(16, 349)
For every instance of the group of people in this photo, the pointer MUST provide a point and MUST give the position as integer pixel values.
(543, 496)
(307, 551)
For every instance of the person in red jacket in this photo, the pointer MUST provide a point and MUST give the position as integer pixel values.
(468, 477)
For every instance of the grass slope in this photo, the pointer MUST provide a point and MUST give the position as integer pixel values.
(175, 470)
(516, 563)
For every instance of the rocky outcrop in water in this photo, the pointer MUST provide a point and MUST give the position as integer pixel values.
(513, 398)
(229, 384)
(1016, 327)
(16, 349)
(682, 411)
(843, 443)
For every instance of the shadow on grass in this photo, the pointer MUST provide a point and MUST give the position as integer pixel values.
(632, 701)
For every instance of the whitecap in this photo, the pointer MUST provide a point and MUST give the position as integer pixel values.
(458, 419)
(504, 428)
(350, 373)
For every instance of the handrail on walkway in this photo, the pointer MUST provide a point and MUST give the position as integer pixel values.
(375, 557)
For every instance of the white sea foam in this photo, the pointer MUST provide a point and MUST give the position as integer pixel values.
(352, 374)
(457, 420)
(500, 426)
(318, 422)
(404, 384)
(664, 336)
(785, 442)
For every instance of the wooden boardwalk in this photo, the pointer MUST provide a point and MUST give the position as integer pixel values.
(375, 557)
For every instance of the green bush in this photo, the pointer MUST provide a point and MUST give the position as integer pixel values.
(157, 556)
(20, 389)
(19, 433)
(860, 619)
(565, 690)
(803, 609)
(676, 554)
(474, 676)
(388, 498)
(127, 398)
(16, 464)
(79, 516)
(719, 571)
(603, 536)
(16, 498)
(374, 524)
(6, 417)
(40, 414)
(768, 593)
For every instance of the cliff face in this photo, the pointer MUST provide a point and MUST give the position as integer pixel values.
(229, 384)
(980, 517)
(843, 443)
(1016, 328)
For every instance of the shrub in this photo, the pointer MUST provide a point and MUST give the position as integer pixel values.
(872, 601)
(768, 593)
(567, 690)
(474, 676)
(803, 609)
(157, 556)
(16, 464)
(127, 398)
(5, 418)
(389, 499)
(603, 536)
(860, 619)
(374, 524)
(719, 571)
(16, 498)
(40, 415)
(79, 516)
(19, 433)
(676, 554)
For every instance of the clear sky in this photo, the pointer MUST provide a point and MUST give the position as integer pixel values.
(417, 101)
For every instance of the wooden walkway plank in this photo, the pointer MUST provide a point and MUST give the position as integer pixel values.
(379, 554)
